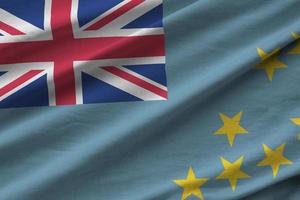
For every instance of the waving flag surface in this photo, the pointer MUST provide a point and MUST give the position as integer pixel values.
(225, 76)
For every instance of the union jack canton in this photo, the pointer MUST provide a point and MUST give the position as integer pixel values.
(66, 52)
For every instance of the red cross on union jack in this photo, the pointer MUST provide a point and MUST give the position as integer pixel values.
(98, 61)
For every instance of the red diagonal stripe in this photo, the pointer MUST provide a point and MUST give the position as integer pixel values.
(133, 79)
(12, 85)
(112, 16)
(9, 29)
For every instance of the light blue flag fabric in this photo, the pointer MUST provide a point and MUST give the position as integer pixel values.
(229, 129)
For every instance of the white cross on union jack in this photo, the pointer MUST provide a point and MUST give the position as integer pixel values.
(64, 50)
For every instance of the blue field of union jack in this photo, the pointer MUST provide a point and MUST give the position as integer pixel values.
(68, 52)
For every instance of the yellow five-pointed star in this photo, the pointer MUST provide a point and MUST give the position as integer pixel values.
(231, 127)
(269, 62)
(191, 185)
(274, 158)
(296, 49)
(232, 172)
(297, 122)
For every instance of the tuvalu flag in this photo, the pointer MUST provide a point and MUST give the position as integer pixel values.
(149, 99)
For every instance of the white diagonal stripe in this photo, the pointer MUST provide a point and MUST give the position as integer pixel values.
(105, 14)
(32, 33)
(92, 65)
(123, 84)
(114, 29)
(143, 78)
(14, 71)
(10, 76)
(22, 85)
(17, 23)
